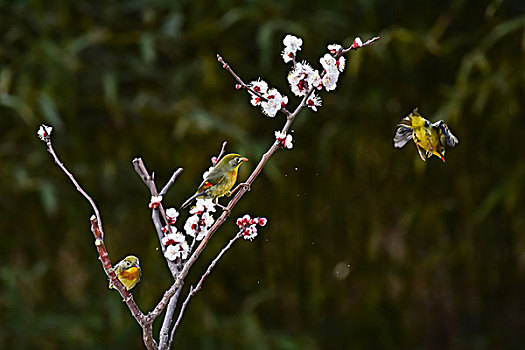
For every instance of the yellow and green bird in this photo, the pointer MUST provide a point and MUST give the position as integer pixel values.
(219, 181)
(430, 137)
(128, 272)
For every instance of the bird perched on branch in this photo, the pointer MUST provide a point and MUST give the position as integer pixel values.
(128, 272)
(219, 181)
(430, 138)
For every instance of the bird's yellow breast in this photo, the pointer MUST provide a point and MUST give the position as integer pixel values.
(129, 277)
(223, 187)
(131, 273)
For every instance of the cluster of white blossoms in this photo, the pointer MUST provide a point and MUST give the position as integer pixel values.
(196, 226)
(332, 68)
(176, 246)
(199, 223)
(284, 139)
(248, 226)
(270, 100)
(292, 44)
(175, 242)
(303, 79)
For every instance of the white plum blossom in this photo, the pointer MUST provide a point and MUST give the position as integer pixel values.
(179, 251)
(302, 78)
(274, 102)
(329, 63)
(155, 202)
(313, 102)
(198, 224)
(341, 63)
(259, 86)
(176, 246)
(331, 71)
(203, 205)
(171, 215)
(44, 132)
(287, 54)
(255, 101)
(330, 80)
(191, 225)
(250, 232)
(173, 238)
(248, 226)
(315, 80)
(195, 227)
(292, 44)
(207, 219)
(283, 139)
(334, 48)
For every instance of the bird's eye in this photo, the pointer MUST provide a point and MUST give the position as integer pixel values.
(427, 123)
(237, 159)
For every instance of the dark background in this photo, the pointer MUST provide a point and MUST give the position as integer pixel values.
(366, 247)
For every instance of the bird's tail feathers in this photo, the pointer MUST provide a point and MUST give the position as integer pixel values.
(189, 200)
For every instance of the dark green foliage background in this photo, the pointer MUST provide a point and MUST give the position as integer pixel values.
(436, 252)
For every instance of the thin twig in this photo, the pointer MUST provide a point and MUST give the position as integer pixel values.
(366, 43)
(223, 148)
(140, 168)
(244, 85)
(51, 150)
(156, 214)
(170, 183)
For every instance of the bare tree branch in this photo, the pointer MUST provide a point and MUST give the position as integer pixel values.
(168, 319)
(141, 170)
(98, 233)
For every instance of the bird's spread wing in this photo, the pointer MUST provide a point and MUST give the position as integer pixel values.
(445, 135)
(403, 133)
